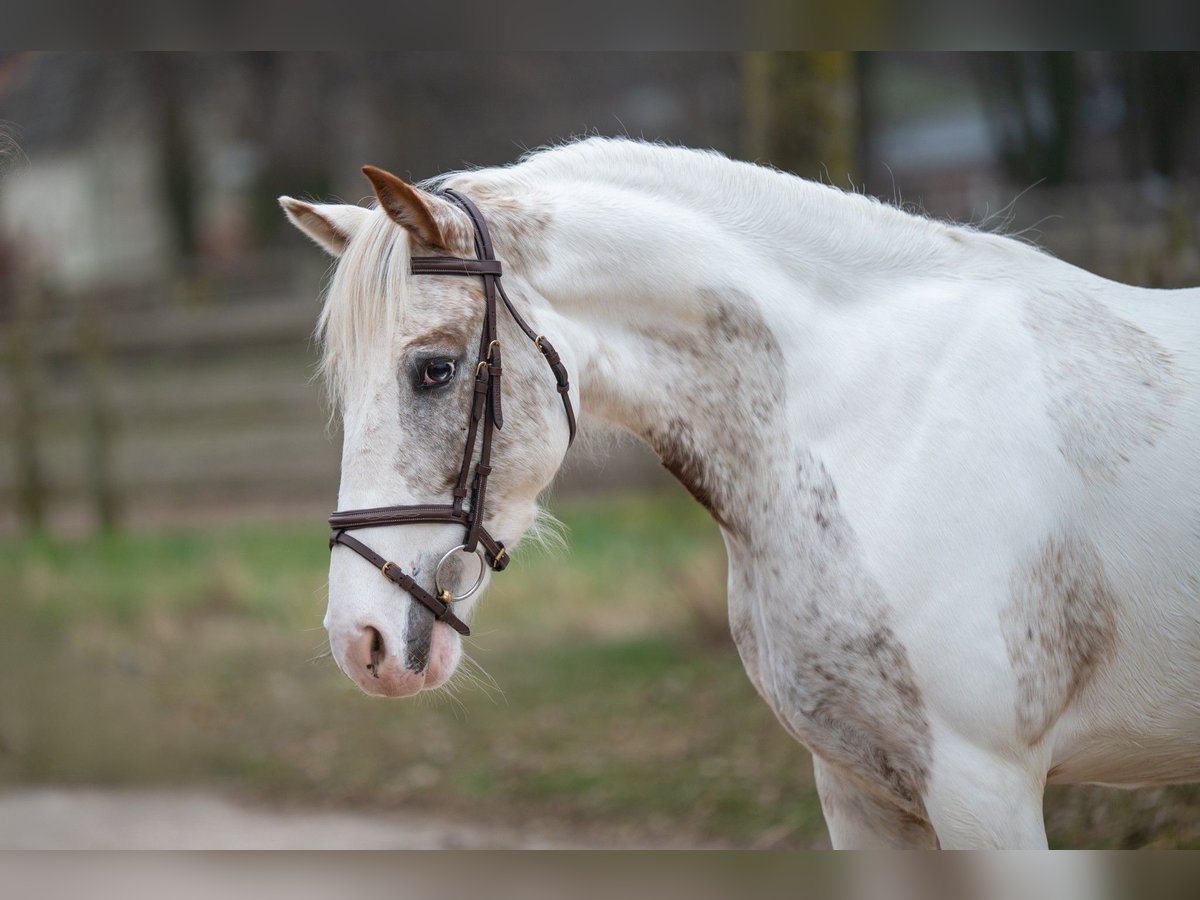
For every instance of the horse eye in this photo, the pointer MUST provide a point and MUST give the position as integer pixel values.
(437, 371)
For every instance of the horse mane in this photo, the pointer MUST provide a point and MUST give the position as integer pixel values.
(364, 304)
(748, 196)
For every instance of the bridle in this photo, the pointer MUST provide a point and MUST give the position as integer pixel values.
(486, 408)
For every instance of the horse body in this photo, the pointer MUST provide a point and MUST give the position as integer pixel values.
(956, 478)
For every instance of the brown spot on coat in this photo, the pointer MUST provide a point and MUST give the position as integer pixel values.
(1059, 628)
(829, 662)
(678, 456)
(1112, 387)
(856, 690)
(845, 803)
(459, 335)
(846, 687)
(725, 358)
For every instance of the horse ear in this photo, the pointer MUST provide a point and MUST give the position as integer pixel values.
(329, 224)
(430, 219)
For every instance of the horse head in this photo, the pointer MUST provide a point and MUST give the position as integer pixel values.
(441, 465)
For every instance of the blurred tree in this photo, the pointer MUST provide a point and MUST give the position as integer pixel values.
(289, 124)
(800, 113)
(1030, 101)
(20, 309)
(1159, 89)
(164, 72)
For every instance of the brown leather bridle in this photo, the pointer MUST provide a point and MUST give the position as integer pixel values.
(485, 408)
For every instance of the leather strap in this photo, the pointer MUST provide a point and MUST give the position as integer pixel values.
(455, 265)
(378, 517)
(492, 288)
(392, 572)
(486, 414)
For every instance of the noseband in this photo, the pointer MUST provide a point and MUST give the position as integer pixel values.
(486, 408)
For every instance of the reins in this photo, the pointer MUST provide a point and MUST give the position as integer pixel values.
(470, 491)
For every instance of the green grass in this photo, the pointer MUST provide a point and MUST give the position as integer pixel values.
(193, 657)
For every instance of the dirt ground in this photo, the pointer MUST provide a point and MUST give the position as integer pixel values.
(89, 818)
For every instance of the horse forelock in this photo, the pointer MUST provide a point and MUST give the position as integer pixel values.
(364, 305)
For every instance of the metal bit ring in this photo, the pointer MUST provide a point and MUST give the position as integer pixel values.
(446, 592)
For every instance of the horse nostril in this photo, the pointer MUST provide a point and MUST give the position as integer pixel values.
(376, 649)
(372, 662)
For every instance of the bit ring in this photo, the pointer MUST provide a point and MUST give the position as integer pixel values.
(445, 593)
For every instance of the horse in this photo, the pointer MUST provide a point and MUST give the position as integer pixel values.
(956, 478)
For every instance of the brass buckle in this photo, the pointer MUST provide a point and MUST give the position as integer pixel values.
(537, 341)
(383, 569)
(488, 354)
(483, 364)
(499, 557)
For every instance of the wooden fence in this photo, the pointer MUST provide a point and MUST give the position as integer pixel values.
(115, 410)
(121, 407)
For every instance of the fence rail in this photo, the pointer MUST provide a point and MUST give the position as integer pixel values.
(166, 406)
(209, 408)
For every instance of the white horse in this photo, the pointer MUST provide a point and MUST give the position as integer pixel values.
(957, 478)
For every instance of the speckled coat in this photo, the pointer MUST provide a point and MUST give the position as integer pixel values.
(957, 479)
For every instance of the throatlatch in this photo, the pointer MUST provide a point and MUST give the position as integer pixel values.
(470, 491)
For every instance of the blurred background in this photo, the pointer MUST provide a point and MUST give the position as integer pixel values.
(166, 469)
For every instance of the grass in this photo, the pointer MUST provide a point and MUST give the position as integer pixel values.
(194, 657)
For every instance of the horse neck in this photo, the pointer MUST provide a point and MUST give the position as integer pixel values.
(718, 332)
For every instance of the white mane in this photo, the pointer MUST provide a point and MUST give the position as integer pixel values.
(364, 303)
(742, 197)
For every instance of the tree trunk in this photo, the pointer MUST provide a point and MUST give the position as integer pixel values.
(21, 310)
(800, 114)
